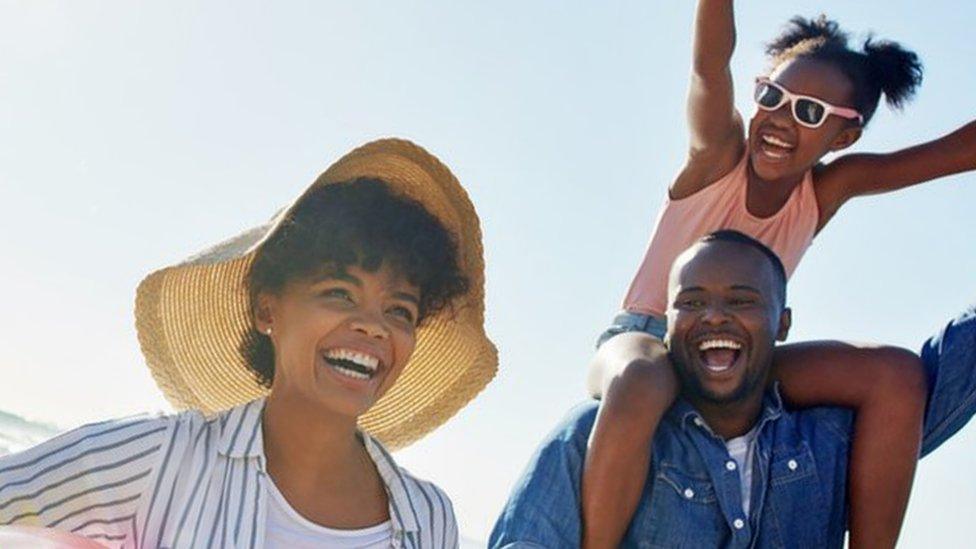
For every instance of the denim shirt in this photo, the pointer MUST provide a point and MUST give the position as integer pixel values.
(692, 497)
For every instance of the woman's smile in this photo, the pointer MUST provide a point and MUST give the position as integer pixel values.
(342, 339)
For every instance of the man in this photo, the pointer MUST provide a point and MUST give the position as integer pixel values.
(727, 310)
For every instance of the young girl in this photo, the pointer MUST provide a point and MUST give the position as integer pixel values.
(767, 180)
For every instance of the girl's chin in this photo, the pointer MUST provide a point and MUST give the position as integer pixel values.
(771, 169)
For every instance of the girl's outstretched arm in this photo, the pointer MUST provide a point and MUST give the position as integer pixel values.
(861, 174)
(886, 387)
(714, 126)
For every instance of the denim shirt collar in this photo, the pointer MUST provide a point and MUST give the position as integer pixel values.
(684, 414)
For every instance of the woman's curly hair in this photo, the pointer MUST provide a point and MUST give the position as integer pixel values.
(880, 67)
(356, 223)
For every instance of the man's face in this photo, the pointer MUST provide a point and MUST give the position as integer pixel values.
(724, 316)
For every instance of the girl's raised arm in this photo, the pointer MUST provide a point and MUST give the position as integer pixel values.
(715, 127)
(861, 174)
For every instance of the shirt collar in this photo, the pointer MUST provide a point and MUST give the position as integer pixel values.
(402, 509)
(240, 431)
(684, 413)
(242, 437)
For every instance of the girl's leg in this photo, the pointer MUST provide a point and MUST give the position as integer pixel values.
(637, 386)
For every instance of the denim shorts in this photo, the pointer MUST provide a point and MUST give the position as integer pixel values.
(634, 322)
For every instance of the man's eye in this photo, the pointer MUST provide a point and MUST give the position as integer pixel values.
(741, 302)
(336, 293)
(692, 303)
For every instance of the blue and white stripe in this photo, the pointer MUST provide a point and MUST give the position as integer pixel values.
(184, 481)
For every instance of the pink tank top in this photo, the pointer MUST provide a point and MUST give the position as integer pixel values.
(721, 205)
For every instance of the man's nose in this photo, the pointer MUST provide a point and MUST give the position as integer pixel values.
(715, 313)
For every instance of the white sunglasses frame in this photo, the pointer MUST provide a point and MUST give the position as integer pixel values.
(792, 98)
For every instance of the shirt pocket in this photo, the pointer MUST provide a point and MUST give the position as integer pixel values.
(792, 465)
(682, 511)
(795, 491)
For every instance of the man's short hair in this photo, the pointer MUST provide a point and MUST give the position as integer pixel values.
(728, 235)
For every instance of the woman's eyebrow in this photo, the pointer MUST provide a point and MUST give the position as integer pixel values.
(337, 275)
(407, 297)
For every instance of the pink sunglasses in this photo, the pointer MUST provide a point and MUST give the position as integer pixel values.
(807, 111)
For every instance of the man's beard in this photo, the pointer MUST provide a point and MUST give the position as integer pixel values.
(693, 389)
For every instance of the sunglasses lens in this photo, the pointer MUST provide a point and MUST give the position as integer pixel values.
(768, 96)
(809, 112)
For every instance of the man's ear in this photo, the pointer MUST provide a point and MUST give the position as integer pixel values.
(264, 312)
(785, 321)
(845, 138)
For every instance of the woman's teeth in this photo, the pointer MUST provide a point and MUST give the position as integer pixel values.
(352, 364)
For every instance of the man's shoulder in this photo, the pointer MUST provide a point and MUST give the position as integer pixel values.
(820, 422)
(575, 425)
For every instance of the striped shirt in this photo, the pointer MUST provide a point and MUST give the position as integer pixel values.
(184, 480)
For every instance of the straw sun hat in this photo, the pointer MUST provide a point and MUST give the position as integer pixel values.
(191, 317)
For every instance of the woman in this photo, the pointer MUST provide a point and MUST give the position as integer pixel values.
(352, 321)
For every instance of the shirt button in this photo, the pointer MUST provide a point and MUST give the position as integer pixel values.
(689, 493)
(699, 422)
(792, 464)
(739, 524)
(730, 465)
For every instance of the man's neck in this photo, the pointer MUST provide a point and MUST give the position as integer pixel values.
(730, 419)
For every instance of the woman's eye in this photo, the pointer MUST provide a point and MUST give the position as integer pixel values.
(403, 313)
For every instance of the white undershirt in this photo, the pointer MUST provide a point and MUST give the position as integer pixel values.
(287, 529)
(741, 449)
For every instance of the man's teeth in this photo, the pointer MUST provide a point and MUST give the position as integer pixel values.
(719, 344)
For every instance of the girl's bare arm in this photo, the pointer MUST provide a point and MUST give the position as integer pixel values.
(862, 174)
(715, 127)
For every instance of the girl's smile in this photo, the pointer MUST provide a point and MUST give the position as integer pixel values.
(782, 149)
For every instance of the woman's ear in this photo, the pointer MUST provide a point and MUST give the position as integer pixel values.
(845, 138)
(264, 312)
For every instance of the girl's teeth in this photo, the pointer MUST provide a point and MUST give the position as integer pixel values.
(776, 141)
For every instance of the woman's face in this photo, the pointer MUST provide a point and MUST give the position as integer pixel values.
(779, 147)
(341, 340)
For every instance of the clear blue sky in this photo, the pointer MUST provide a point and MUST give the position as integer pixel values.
(134, 134)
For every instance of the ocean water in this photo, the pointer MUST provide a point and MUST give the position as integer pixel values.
(17, 433)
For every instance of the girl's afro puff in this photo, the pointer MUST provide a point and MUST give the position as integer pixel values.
(882, 66)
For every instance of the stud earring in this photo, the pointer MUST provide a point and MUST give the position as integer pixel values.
(268, 332)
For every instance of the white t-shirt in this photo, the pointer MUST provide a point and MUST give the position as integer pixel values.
(742, 449)
(287, 529)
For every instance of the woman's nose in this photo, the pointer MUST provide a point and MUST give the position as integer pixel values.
(370, 326)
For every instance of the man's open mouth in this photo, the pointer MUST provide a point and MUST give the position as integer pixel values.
(353, 364)
(719, 355)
